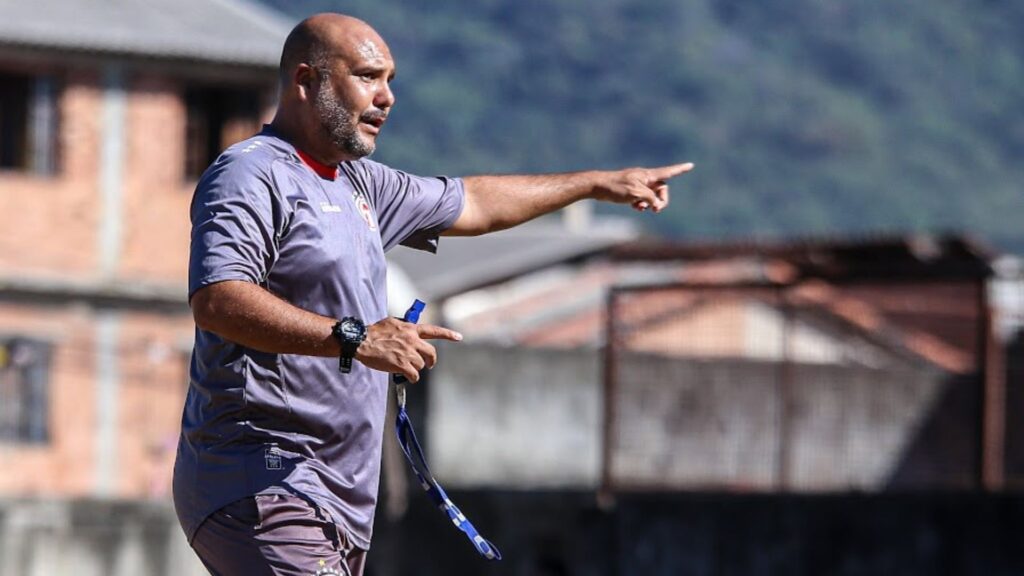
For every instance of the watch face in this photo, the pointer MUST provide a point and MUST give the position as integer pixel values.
(351, 329)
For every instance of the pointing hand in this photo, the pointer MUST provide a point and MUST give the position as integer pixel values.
(643, 188)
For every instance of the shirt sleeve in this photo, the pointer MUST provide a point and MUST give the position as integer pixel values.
(411, 210)
(237, 223)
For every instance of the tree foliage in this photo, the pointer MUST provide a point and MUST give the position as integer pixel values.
(803, 117)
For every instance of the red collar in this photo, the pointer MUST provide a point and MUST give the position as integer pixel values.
(322, 170)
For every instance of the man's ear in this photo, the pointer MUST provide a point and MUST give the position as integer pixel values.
(303, 79)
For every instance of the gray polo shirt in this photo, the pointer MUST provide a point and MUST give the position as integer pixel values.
(258, 423)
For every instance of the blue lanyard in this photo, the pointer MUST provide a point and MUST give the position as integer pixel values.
(414, 454)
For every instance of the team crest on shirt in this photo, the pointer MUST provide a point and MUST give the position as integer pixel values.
(364, 210)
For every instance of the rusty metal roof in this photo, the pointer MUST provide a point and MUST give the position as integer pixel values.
(912, 256)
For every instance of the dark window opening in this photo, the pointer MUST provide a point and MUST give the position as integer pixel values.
(28, 123)
(217, 118)
(24, 391)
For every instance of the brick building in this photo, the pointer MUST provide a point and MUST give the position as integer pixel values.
(109, 110)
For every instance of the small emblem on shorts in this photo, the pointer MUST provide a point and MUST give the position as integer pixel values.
(324, 571)
(272, 459)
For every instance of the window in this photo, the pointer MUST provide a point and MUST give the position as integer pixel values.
(28, 123)
(217, 118)
(24, 390)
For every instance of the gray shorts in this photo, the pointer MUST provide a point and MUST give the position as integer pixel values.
(275, 535)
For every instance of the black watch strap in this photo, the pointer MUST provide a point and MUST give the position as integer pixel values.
(350, 333)
(345, 363)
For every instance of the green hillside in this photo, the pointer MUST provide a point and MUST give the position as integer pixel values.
(803, 117)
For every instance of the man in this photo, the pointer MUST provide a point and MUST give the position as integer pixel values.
(279, 458)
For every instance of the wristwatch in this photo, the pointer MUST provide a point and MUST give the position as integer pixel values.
(350, 333)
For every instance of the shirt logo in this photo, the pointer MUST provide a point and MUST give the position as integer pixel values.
(328, 207)
(252, 147)
(366, 212)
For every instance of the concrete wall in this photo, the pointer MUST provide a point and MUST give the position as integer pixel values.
(92, 538)
(514, 418)
(764, 426)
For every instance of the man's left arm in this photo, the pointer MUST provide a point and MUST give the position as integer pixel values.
(497, 202)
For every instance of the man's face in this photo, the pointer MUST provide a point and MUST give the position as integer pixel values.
(353, 98)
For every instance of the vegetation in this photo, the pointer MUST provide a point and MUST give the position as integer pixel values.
(803, 117)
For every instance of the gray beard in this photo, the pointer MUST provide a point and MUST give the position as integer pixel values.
(336, 121)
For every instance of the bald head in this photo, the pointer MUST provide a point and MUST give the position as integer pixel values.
(335, 87)
(319, 39)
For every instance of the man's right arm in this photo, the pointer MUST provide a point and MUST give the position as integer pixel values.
(247, 314)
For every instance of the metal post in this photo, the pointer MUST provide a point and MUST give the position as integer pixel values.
(784, 392)
(605, 492)
(992, 374)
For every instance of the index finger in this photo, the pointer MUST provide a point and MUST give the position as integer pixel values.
(431, 332)
(666, 172)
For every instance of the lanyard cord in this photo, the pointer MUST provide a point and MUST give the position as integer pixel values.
(414, 454)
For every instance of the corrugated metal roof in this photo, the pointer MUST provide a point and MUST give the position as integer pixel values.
(465, 263)
(236, 32)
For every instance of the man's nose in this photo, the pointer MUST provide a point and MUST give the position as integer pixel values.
(384, 98)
